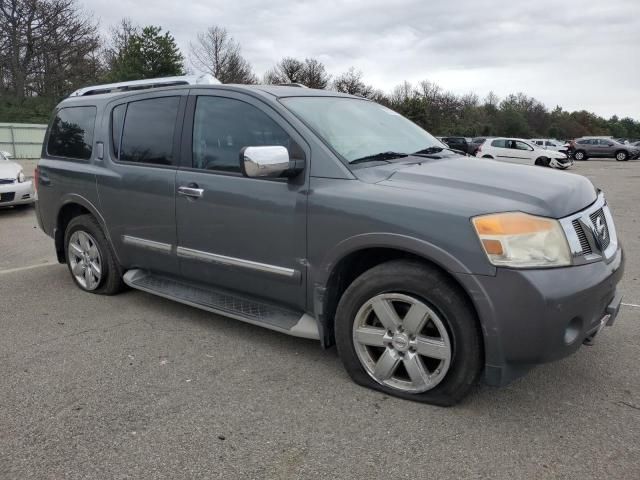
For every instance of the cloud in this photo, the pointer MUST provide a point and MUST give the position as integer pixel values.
(575, 53)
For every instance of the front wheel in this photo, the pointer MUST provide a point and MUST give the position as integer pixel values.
(407, 329)
(542, 161)
(579, 155)
(91, 261)
(622, 156)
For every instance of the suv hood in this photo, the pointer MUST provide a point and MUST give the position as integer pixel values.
(482, 186)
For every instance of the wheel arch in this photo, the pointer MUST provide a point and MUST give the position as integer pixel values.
(72, 206)
(344, 268)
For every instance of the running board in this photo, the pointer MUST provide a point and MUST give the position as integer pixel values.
(225, 303)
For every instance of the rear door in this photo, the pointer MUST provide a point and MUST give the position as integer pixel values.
(239, 233)
(137, 184)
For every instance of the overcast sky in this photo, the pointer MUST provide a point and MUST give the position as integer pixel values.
(578, 54)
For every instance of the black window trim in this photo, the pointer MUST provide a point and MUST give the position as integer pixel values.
(93, 140)
(176, 133)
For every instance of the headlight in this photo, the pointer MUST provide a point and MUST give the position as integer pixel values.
(520, 240)
(20, 177)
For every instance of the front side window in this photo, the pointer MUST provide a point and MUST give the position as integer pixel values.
(71, 134)
(223, 126)
(522, 146)
(357, 129)
(147, 135)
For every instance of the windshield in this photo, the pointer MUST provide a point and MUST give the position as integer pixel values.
(358, 129)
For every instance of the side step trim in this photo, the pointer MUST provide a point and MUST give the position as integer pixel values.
(225, 303)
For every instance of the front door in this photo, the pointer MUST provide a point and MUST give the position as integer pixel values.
(239, 233)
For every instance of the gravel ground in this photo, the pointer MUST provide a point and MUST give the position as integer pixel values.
(135, 386)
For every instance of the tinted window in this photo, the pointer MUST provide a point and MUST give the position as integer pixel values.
(500, 143)
(71, 134)
(148, 131)
(606, 143)
(117, 119)
(521, 146)
(223, 126)
(583, 142)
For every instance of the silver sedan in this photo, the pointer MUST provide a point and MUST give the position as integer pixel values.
(15, 188)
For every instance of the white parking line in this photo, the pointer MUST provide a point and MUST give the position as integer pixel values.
(631, 305)
(30, 267)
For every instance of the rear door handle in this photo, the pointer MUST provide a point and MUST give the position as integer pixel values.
(190, 191)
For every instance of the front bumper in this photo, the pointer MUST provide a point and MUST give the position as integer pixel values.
(17, 194)
(543, 315)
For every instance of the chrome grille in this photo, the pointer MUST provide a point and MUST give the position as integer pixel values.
(582, 237)
(601, 229)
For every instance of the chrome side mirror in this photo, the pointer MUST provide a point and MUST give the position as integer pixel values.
(268, 161)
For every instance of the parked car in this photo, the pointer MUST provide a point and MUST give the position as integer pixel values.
(462, 144)
(327, 216)
(476, 143)
(15, 187)
(517, 150)
(588, 147)
(550, 144)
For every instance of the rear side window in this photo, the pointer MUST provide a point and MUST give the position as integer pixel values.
(71, 134)
(148, 129)
(500, 143)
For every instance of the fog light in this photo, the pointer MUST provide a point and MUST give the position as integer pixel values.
(573, 331)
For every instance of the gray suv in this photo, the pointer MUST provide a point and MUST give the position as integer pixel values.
(586, 147)
(330, 217)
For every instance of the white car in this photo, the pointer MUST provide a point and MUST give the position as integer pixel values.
(517, 150)
(15, 188)
(549, 144)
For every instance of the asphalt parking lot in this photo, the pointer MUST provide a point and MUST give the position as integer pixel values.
(135, 386)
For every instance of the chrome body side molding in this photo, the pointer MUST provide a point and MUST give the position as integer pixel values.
(190, 253)
(147, 244)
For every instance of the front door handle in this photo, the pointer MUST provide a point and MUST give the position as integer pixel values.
(191, 190)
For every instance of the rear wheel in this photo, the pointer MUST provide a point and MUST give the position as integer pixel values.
(622, 156)
(580, 155)
(408, 330)
(91, 261)
(487, 156)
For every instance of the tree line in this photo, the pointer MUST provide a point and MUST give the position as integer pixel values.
(49, 48)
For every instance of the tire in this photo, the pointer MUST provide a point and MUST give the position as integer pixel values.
(82, 229)
(542, 161)
(487, 156)
(450, 319)
(622, 156)
(580, 155)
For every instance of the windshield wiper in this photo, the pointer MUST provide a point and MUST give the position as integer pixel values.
(434, 149)
(379, 157)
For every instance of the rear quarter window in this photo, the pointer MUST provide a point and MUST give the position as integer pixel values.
(71, 134)
(502, 143)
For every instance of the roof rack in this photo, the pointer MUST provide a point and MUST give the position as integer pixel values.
(299, 85)
(145, 84)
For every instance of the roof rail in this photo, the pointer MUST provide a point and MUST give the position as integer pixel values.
(300, 85)
(146, 83)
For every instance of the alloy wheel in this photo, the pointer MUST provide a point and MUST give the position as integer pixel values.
(402, 343)
(84, 260)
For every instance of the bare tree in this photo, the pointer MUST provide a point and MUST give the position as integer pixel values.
(217, 53)
(48, 47)
(351, 82)
(310, 73)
